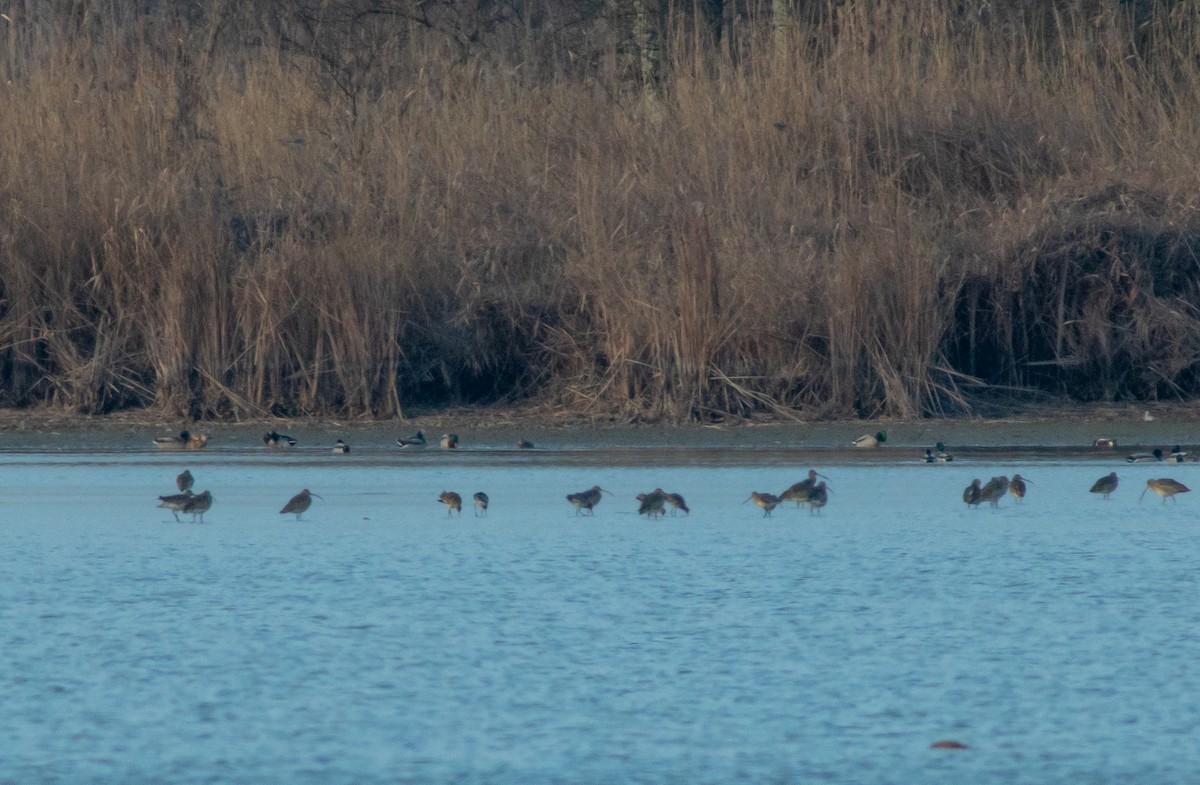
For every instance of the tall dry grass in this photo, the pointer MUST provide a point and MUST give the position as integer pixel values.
(877, 210)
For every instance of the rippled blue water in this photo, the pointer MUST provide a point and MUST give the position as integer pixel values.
(379, 641)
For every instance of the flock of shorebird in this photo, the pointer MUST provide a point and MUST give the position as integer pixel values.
(808, 492)
(188, 502)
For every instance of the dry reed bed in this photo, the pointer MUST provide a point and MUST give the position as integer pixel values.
(896, 220)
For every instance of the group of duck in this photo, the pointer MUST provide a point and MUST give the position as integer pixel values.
(186, 440)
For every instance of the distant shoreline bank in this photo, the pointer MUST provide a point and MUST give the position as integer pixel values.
(1045, 425)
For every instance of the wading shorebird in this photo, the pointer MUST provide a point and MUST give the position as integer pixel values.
(972, 493)
(871, 441)
(1016, 486)
(452, 501)
(184, 480)
(524, 444)
(341, 448)
(765, 501)
(416, 440)
(677, 503)
(1166, 488)
(993, 492)
(586, 500)
(1104, 443)
(449, 441)
(198, 505)
(1106, 484)
(800, 491)
(299, 503)
(276, 440)
(818, 498)
(481, 503)
(1145, 457)
(176, 502)
(173, 442)
(652, 503)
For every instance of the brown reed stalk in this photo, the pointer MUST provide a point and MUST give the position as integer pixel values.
(871, 209)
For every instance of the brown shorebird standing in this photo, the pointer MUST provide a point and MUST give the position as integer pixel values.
(800, 491)
(1016, 486)
(481, 503)
(299, 503)
(652, 503)
(818, 498)
(184, 480)
(677, 503)
(452, 501)
(1166, 488)
(276, 440)
(176, 502)
(993, 492)
(198, 505)
(972, 493)
(586, 500)
(765, 501)
(1106, 484)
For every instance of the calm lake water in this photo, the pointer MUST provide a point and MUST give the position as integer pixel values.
(378, 640)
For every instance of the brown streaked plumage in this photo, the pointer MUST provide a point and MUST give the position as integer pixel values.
(586, 500)
(677, 503)
(1016, 487)
(198, 505)
(972, 493)
(818, 498)
(800, 491)
(184, 480)
(452, 501)
(175, 502)
(993, 492)
(481, 503)
(1166, 488)
(652, 503)
(765, 501)
(1106, 484)
(299, 503)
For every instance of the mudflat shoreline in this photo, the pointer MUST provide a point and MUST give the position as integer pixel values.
(1055, 426)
